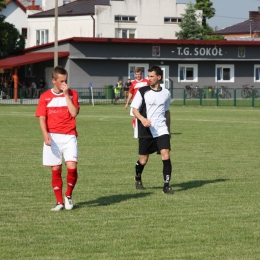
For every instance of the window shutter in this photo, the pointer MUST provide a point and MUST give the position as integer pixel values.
(257, 73)
(219, 77)
(181, 73)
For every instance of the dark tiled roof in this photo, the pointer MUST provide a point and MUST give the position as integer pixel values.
(243, 27)
(80, 7)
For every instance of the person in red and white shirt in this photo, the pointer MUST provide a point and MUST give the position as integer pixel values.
(57, 110)
(135, 86)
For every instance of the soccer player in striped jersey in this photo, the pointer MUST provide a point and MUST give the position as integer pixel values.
(151, 107)
(57, 110)
(139, 82)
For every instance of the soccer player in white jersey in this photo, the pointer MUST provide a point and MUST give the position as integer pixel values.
(151, 108)
(57, 110)
(139, 82)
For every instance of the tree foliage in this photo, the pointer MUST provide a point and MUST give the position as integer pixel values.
(214, 37)
(190, 27)
(2, 4)
(208, 11)
(10, 38)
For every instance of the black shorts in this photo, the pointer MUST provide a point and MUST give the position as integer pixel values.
(152, 145)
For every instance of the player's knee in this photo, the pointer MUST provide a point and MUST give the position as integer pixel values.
(143, 160)
(165, 154)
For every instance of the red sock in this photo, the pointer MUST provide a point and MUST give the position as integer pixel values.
(72, 177)
(57, 185)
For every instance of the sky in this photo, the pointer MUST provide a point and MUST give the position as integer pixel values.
(229, 12)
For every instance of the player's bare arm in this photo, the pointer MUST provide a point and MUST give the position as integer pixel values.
(46, 137)
(71, 107)
(145, 122)
(128, 100)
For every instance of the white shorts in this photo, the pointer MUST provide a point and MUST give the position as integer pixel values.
(131, 112)
(134, 123)
(61, 144)
(135, 126)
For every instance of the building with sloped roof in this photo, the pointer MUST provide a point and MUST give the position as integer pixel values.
(249, 29)
(16, 13)
(103, 61)
(137, 19)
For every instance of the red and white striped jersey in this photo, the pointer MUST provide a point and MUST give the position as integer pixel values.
(54, 108)
(136, 84)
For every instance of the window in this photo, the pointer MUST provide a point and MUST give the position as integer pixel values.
(156, 51)
(225, 73)
(42, 36)
(120, 18)
(188, 72)
(172, 20)
(257, 73)
(24, 33)
(30, 71)
(125, 33)
(133, 66)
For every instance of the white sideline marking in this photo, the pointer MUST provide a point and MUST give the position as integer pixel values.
(219, 121)
(127, 117)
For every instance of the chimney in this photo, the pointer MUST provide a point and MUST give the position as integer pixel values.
(34, 7)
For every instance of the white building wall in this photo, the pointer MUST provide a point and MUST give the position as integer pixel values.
(149, 23)
(180, 9)
(50, 4)
(74, 26)
(149, 14)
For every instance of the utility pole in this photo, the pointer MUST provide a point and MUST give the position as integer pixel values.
(250, 28)
(56, 35)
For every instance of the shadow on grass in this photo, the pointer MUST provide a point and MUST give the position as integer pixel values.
(112, 199)
(192, 184)
(195, 184)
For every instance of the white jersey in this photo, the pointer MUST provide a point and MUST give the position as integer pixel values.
(152, 105)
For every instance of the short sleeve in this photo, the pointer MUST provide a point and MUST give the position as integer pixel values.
(131, 89)
(41, 108)
(168, 102)
(75, 99)
(137, 101)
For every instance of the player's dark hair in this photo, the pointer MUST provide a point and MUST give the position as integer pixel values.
(158, 71)
(59, 70)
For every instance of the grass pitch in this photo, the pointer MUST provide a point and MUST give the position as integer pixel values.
(213, 213)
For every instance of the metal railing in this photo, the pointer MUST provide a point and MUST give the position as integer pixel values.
(206, 96)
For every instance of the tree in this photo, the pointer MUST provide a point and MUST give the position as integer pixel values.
(215, 37)
(190, 27)
(2, 4)
(208, 11)
(10, 38)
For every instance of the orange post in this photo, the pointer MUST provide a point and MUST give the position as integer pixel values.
(15, 77)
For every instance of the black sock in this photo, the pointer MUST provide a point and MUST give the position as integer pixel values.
(138, 171)
(167, 172)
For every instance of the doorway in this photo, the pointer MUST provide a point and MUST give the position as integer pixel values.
(165, 79)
